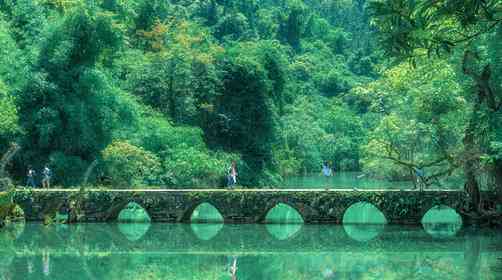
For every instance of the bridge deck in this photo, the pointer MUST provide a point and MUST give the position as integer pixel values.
(239, 190)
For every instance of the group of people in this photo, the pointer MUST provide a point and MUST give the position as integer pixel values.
(326, 171)
(46, 177)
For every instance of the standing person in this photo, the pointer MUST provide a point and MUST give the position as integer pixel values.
(47, 174)
(420, 175)
(326, 172)
(232, 175)
(30, 182)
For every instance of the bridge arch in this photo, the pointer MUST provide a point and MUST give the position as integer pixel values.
(371, 214)
(215, 215)
(133, 212)
(115, 208)
(262, 218)
(283, 213)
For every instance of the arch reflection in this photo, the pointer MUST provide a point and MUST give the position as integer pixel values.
(442, 221)
(283, 231)
(206, 231)
(362, 232)
(134, 231)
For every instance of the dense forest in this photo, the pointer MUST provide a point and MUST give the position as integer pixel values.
(159, 92)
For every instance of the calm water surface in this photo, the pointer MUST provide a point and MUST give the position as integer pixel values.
(360, 181)
(272, 251)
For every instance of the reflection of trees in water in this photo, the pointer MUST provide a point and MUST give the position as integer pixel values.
(250, 267)
(472, 255)
(442, 230)
(47, 266)
(496, 268)
(102, 252)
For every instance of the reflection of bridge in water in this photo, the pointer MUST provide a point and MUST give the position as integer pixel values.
(172, 239)
(236, 206)
(106, 251)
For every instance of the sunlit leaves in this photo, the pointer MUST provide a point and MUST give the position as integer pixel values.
(423, 115)
(411, 28)
(127, 164)
(9, 121)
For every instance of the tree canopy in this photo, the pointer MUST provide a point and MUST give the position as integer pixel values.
(180, 89)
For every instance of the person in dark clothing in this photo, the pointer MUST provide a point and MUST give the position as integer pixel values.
(30, 182)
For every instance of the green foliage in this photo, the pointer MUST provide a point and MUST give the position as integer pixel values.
(9, 125)
(422, 117)
(128, 165)
(468, 33)
(196, 84)
(321, 130)
(188, 167)
(70, 106)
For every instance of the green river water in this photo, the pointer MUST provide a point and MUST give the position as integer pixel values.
(208, 251)
(361, 181)
(364, 247)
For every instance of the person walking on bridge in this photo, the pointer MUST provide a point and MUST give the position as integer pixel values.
(326, 172)
(232, 175)
(47, 174)
(30, 182)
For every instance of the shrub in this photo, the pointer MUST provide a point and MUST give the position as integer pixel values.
(128, 165)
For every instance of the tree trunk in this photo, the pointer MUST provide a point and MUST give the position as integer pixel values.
(497, 174)
(471, 157)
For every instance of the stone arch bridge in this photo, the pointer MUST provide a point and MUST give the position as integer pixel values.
(316, 206)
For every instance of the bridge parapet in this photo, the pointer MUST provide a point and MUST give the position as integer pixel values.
(236, 206)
